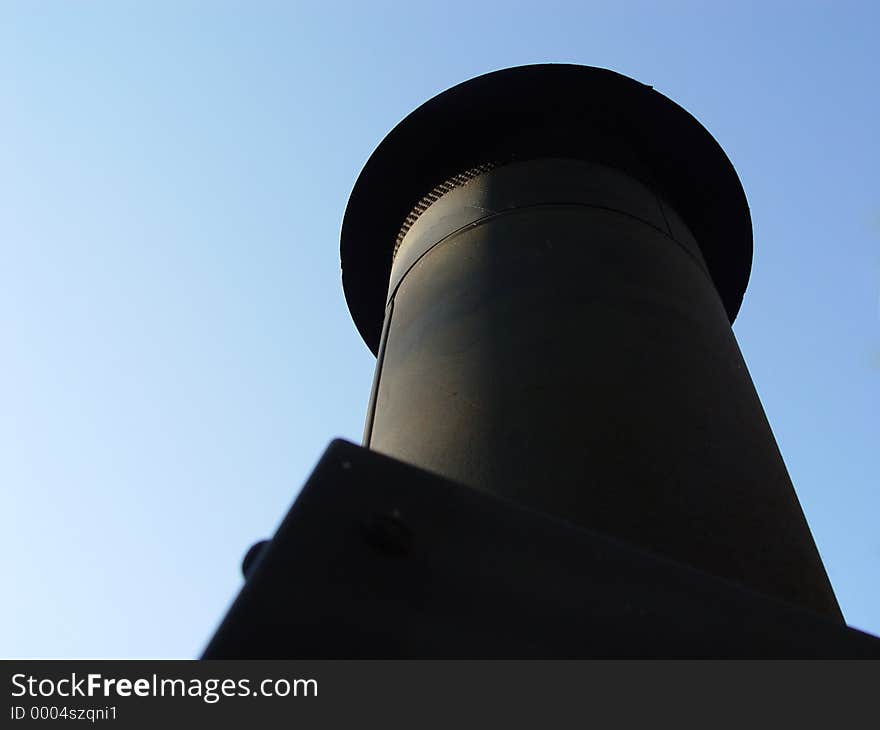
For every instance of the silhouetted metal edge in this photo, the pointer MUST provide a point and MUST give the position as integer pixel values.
(378, 559)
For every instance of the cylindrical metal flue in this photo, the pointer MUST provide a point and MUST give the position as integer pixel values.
(547, 261)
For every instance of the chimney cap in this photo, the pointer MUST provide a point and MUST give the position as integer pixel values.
(544, 110)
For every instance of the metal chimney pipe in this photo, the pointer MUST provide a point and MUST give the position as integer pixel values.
(547, 261)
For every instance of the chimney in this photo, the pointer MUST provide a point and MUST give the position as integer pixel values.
(547, 261)
(564, 454)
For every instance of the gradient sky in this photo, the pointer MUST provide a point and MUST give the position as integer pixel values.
(176, 349)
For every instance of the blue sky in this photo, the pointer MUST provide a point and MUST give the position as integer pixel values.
(176, 350)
